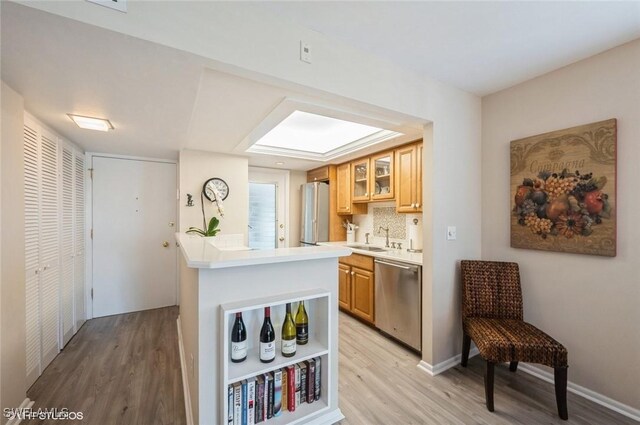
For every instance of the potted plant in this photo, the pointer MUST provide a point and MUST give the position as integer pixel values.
(210, 231)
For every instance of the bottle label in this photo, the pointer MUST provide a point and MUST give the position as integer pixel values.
(288, 346)
(267, 350)
(239, 350)
(302, 333)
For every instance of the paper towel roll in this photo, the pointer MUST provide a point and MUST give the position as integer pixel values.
(415, 236)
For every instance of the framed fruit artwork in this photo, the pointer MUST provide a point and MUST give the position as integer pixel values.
(563, 190)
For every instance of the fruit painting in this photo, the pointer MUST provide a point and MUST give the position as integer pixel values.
(563, 190)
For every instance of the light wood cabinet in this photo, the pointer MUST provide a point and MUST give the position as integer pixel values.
(344, 287)
(360, 173)
(408, 185)
(362, 286)
(356, 286)
(318, 175)
(344, 204)
(382, 177)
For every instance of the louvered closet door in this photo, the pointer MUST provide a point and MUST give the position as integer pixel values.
(32, 242)
(49, 247)
(79, 241)
(67, 246)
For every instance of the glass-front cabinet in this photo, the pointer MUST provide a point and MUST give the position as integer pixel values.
(381, 176)
(360, 173)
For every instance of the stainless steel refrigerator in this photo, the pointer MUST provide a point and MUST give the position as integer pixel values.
(314, 224)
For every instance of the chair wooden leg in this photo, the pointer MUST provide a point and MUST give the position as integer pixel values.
(488, 385)
(560, 378)
(513, 366)
(466, 346)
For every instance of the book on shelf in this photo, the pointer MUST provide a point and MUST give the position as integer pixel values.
(303, 382)
(259, 409)
(245, 413)
(285, 392)
(311, 380)
(230, 405)
(251, 399)
(237, 403)
(318, 378)
(270, 392)
(277, 392)
(297, 374)
(291, 388)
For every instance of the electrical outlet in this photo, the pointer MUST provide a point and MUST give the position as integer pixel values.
(305, 52)
(451, 233)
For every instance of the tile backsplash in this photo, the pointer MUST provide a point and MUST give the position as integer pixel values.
(388, 218)
(384, 214)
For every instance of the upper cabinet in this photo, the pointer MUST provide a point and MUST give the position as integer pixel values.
(345, 205)
(360, 173)
(318, 175)
(409, 178)
(382, 177)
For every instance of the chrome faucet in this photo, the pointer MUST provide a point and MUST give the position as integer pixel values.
(366, 238)
(386, 229)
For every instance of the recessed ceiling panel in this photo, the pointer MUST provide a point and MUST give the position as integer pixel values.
(306, 132)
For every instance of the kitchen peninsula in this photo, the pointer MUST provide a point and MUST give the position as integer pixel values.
(215, 284)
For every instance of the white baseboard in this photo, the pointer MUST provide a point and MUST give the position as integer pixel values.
(185, 383)
(26, 403)
(434, 370)
(602, 400)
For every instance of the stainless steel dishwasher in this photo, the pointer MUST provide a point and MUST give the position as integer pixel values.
(399, 301)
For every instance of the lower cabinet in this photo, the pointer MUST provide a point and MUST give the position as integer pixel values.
(356, 287)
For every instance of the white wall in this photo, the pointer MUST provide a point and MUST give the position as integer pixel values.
(12, 293)
(196, 167)
(251, 43)
(296, 179)
(588, 303)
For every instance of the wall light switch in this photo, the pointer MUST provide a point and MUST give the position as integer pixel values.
(451, 233)
(305, 52)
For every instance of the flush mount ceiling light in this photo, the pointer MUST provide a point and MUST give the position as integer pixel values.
(313, 136)
(91, 123)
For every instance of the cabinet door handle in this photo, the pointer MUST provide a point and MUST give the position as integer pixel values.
(353, 273)
(417, 205)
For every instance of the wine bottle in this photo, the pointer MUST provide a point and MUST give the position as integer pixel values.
(302, 325)
(288, 339)
(267, 338)
(238, 340)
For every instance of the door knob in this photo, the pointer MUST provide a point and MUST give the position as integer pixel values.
(165, 244)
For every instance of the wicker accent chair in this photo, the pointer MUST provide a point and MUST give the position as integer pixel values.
(492, 317)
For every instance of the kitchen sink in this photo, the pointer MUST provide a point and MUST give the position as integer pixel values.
(368, 248)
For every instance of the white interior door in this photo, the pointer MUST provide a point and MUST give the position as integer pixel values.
(134, 250)
(268, 208)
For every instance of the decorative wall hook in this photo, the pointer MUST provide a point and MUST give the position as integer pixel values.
(189, 200)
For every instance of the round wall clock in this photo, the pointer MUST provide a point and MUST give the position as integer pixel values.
(221, 185)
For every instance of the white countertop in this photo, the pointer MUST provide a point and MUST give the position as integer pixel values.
(200, 253)
(391, 254)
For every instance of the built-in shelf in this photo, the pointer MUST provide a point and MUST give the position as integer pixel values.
(319, 306)
(254, 367)
(300, 415)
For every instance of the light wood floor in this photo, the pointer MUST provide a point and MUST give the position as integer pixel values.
(125, 369)
(118, 370)
(380, 384)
